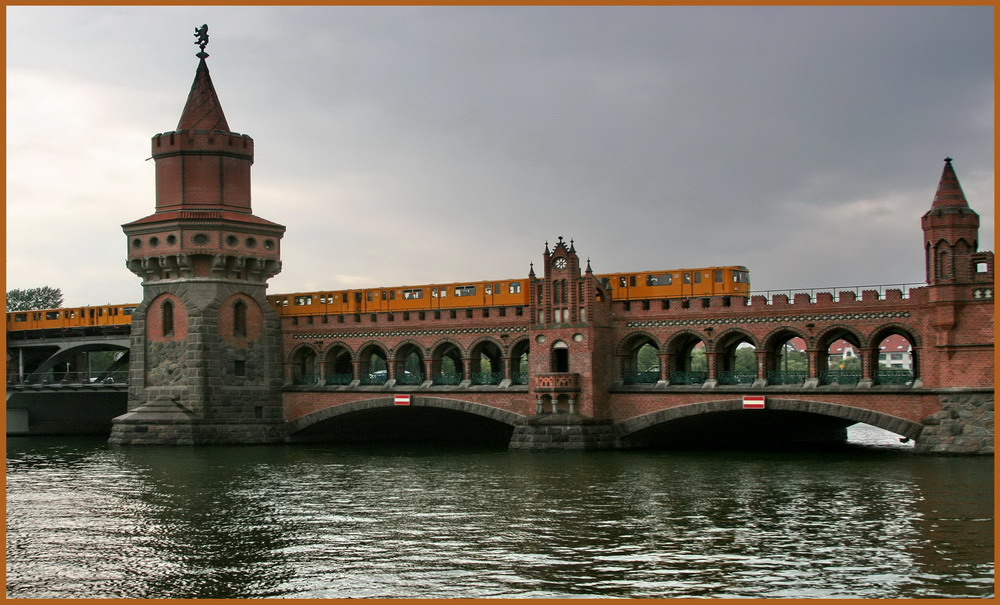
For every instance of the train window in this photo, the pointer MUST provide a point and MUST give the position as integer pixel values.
(392, 295)
(718, 276)
(322, 299)
(434, 292)
(697, 277)
(128, 310)
(444, 292)
(687, 278)
(515, 287)
(741, 277)
(488, 289)
(383, 295)
(631, 280)
(52, 315)
(622, 283)
(659, 280)
(371, 296)
(465, 290)
(357, 297)
(496, 288)
(20, 317)
(303, 300)
(414, 293)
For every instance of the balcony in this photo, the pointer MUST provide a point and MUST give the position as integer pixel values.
(561, 382)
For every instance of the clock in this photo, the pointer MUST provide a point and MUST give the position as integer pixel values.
(560, 263)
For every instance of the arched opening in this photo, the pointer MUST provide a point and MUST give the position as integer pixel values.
(688, 362)
(640, 360)
(409, 365)
(304, 366)
(339, 369)
(167, 318)
(487, 364)
(447, 365)
(736, 359)
(240, 319)
(840, 358)
(372, 366)
(519, 362)
(897, 358)
(787, 359)
(560, 357)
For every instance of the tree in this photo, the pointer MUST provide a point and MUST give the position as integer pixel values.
(34, 298)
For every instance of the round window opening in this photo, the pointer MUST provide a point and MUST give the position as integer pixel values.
(171, 239)
(232, 241)
(200, 238)
(251, 242)
(269, 244)
(137, 243)
(154, 241)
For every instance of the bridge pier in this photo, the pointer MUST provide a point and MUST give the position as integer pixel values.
(964, 425)
(562, 432)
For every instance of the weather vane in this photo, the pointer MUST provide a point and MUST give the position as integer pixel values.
(202, 34)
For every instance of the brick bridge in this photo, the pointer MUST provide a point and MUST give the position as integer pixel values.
(211, 361)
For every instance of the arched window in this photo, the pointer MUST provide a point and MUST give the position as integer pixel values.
(560, 357)
(240, 318)
(167, 316)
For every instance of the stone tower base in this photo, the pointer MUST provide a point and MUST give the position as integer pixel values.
(963, 426)
(168, 424)
(562, 432)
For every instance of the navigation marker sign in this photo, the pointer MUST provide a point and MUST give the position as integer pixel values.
(402, 400)
(754, 402)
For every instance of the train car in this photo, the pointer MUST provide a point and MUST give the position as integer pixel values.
(641, 285)
(678, 283)
(70, 317)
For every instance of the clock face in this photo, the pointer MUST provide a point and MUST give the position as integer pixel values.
(560, 263)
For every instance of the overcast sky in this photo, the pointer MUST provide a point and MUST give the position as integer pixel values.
(410, 145)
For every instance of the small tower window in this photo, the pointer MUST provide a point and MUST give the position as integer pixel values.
(240, 318)
(167, 313)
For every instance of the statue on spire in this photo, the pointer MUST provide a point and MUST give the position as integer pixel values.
(202, 34)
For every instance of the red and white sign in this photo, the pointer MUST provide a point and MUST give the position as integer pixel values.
(402, 400)
(754, 402)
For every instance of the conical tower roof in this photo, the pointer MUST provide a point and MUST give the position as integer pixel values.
(203, 111)
(949, 193)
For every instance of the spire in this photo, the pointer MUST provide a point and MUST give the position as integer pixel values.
(949, 192)
(203, 110)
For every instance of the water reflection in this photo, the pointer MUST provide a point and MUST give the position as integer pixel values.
(87, 520)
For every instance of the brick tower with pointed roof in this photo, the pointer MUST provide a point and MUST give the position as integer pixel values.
(205, 363)
(951, 237)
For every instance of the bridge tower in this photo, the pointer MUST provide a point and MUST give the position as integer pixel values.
(570, 344)
(205, 350)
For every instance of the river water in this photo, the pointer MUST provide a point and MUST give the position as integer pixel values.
(89, 520)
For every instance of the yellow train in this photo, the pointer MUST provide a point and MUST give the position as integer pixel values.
(73, 317)
(642, 285)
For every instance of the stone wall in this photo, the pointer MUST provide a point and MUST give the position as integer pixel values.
(964, 425)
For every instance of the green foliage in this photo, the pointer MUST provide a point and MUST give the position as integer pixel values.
(849, 363)
(34, 298)
(647, 357)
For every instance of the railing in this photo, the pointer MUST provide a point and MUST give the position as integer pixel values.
(894, 377)
(736, 377)
(339, 379)
(487, 377)
(641, 377)
(408, 378)
(304, 379)
(688, 377)
(50, 378)
(842, 377)
(447, 378)
(519, 378)
(789, 377)
(836, 290)
(374, 378)
(564, 382)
